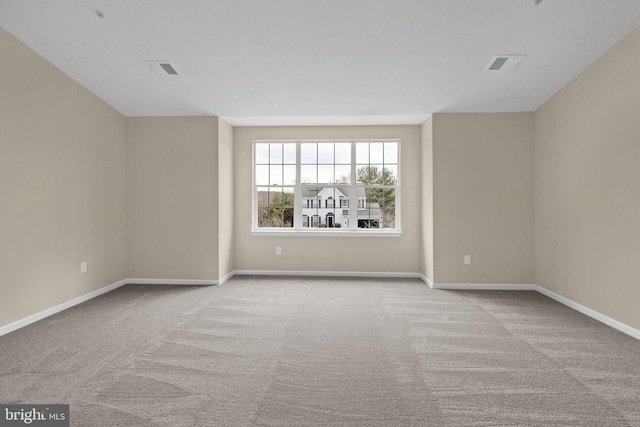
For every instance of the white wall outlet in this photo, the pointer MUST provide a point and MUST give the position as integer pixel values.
(278, 250)
(467, 259)
(83, 267)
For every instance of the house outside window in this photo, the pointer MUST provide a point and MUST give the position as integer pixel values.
(312, 184)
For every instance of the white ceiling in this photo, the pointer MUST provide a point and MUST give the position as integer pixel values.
(320, 61)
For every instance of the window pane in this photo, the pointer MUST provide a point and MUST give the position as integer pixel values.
(388, 198)
(309, 205)
(325, 152)
(287, 217)
(262, 175)
(275, 197)
(312, 194)
(343, 153)
(376, 152)
(390, 175)
(263, 196)
(275, 217)
(262, 153)
(330, 203)
(380, 208)
(290, 175)
(343, 174)
(275, 175)
(290, 154)
(373, 194)
(390, 152)
(275, 207)
(288, 196)
(329, 197)
(308, 174)
(362, 152)
(367, 174)
(263, 217)
(370, 216)
(389, 217)
(276, 152)
(388, 204)
(309, 152)
(325, 174)
(376, 174)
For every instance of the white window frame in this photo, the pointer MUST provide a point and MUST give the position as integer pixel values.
(298, 229)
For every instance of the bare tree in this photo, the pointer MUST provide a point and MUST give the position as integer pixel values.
(275, 210)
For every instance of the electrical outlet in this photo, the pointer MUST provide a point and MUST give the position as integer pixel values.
(83, 267)
(467, 259)
(278, 250)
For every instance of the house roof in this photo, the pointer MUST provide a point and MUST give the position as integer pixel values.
(372, 212)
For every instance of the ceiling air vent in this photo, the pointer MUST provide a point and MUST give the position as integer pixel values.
(505, 62)
(161, 68)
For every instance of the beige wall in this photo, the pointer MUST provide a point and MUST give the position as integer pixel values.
(226, 217)
(483, 197)
(587, 198)
(371, 254)
(62, 186)
(427, 267)
(172, 196)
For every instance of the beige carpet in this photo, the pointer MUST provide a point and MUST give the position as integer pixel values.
(312, 352)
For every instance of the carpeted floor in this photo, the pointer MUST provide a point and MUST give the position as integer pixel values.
(313, 352)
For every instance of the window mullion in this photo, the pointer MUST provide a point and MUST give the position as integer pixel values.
(353, 193)
(297, 193)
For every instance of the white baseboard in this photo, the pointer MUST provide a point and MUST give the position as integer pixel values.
(622, 327)
(226, 277)
(426, 280)
(58, 308)
(485, 286)
(368, 274)
(171, 282)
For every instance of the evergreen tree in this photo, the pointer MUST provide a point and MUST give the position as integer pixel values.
(384, 197)
(371, 175)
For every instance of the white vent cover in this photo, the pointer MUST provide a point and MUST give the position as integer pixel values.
(161, 68)
(505, 62)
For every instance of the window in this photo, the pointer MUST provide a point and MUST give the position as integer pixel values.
(326, 185)
(329, 203)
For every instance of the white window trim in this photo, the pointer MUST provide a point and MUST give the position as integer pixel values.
(298, 229)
